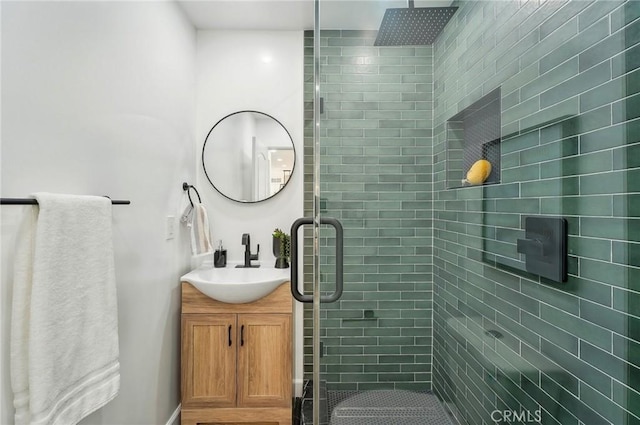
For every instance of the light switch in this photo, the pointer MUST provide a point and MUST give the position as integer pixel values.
(170, 230)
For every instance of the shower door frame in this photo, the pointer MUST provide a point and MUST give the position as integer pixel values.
(316, 213)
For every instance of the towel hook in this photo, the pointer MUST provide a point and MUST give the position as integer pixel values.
(187, 188)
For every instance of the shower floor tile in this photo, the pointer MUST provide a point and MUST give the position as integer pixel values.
(376, 407)
(386, 407)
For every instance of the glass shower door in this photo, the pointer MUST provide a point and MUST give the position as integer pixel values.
(371, 162)
(441, 289)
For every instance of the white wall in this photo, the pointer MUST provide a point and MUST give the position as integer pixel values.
(232, 76)
(98, 98)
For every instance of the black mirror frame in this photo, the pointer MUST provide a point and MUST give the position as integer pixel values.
(204, 168)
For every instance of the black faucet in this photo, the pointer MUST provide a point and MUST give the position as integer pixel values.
(248, 256)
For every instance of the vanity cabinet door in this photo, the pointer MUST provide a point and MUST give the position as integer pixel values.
(209, 360)
(264, 360)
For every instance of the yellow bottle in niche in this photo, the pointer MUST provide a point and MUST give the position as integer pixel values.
(478, 173)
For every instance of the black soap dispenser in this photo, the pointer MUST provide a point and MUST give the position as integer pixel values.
(220, 256)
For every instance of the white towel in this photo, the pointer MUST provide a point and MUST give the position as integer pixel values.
(200, 233)
(64, 327)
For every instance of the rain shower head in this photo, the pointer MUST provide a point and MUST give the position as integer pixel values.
(412, 26)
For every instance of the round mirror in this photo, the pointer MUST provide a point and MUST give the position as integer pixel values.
(248, 156)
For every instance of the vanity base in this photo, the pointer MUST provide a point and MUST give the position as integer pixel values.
(236, 416)
(236, 360)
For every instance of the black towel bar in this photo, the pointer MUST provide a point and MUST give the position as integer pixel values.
(31, 201)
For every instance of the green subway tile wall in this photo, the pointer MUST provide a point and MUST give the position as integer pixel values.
(570, 147)
(375, 174)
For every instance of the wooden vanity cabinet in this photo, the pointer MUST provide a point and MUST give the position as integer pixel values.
(209, 372)
(236, 360)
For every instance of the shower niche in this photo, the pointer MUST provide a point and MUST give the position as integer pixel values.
(473, 144)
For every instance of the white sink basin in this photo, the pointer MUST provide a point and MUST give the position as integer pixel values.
(236, 285)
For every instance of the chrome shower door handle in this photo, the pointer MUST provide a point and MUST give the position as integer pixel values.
(339, 259)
